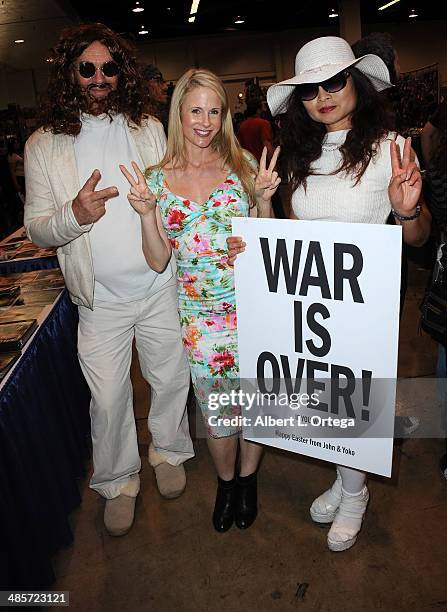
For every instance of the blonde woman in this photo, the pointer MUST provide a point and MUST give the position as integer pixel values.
(186, 204)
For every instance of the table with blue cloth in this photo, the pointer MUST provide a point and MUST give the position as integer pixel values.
(27, 257)
(44, 444)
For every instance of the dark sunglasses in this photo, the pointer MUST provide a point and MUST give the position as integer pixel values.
(309, 91)
(88, 69)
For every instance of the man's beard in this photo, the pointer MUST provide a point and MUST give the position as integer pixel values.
(98, 106)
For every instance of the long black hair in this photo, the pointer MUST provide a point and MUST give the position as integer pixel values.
(301, 137)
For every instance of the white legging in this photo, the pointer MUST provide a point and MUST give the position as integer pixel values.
(352, 480)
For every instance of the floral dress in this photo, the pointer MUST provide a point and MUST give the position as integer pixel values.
(205, 283)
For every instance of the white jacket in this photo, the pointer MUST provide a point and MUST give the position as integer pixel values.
(52, 183)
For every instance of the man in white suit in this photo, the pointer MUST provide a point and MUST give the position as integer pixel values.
(76, 201)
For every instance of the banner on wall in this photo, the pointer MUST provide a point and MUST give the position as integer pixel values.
(318, 316)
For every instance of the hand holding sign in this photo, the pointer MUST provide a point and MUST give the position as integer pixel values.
(235, 245)
(405, 186)
(267, 179)
(140, 197)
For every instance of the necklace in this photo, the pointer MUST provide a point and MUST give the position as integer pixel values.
(330, 146)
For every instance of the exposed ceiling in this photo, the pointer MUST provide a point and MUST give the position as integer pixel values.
(39, 22)
(170, 18)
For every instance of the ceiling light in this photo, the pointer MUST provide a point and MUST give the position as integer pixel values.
(19, 41)
(138, 8)
(332, 13)
(193, 11)
(143, 30)
(239, 20)
(413, 13)
(387, 4)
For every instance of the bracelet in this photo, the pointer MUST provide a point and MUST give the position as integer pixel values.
(410, 217)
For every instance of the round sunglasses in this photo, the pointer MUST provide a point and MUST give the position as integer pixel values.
(88, 69)
(309, 91)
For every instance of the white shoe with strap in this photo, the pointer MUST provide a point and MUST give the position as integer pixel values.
(348, 520)
(324, 507)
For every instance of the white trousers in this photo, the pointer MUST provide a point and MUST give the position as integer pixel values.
(105, 337)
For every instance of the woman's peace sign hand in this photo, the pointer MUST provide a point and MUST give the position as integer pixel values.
(267, 179)
(405, 185)
(140, 196)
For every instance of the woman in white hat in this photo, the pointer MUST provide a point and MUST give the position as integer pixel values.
(343, 164)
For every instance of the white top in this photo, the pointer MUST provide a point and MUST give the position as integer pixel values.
(120, 269)
(335, 197)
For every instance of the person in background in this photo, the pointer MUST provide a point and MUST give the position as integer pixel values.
(16, 168)
(344, 165)
(93, 122)
(434, 148)
(186, 207)
(254, 132)
(432, 132)
(237, 120)
(156, 90)
(11, 205)
(381, 44)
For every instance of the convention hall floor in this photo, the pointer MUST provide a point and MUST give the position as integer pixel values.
(173, 560)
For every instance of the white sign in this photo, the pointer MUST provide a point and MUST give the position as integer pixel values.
(318, 317)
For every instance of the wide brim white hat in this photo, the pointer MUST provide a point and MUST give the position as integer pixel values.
(321, 59)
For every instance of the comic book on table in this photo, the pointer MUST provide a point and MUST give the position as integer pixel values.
(7, 360)
(37, 280)
(17, 279)
(14, 336)
(17, 248)
(45, 280)
(8, 295)
(14, 314)
(8, 251)
(16, 239)
(28, 250)
(31, 297)
(9, 291)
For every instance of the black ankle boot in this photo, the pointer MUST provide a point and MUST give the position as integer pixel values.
(247, 501)
(223, 515)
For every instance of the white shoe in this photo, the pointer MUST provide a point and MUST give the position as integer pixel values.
(171, 479)
(119, 513)
(324, 508)
(348, 521)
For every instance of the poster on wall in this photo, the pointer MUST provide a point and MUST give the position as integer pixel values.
(318, 315)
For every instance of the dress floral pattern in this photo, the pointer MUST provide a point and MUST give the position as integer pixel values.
(207, 306)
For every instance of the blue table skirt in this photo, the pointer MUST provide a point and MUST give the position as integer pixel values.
(44, 443)
(28, 265)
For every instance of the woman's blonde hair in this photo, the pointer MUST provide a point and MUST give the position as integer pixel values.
(225, 142)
